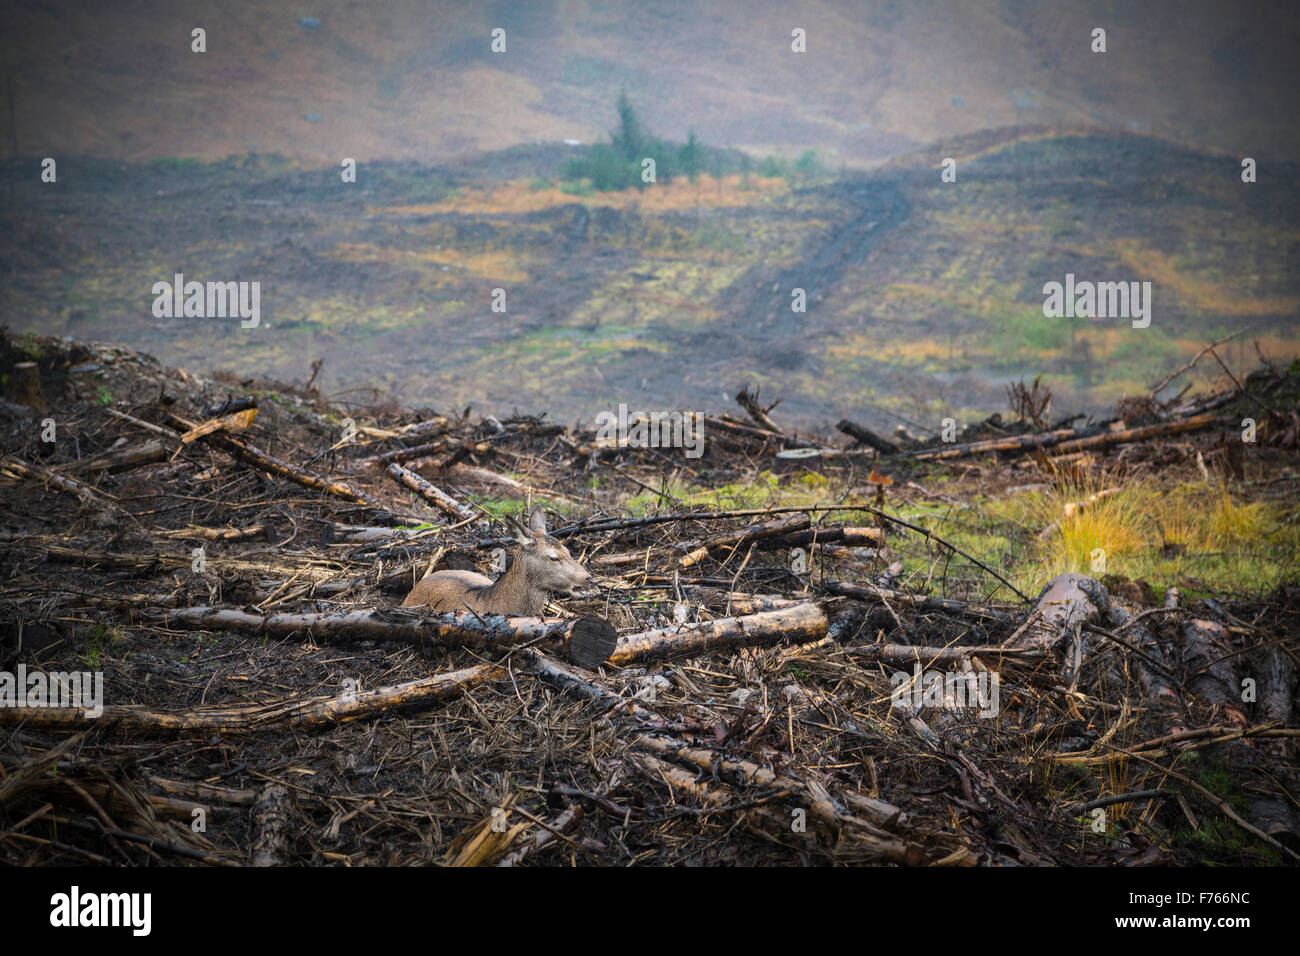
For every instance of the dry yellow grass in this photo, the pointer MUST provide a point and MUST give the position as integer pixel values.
(1222, 297)
(490, 264)
(1231, 522)
(1088, 538)
(517, 196)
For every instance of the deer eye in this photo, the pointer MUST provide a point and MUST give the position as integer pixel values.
(555, 557)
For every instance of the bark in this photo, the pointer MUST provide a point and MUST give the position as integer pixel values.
(545, 838)
(753, 532)
(16, 468)
(401, 454)
(918, 602)
(430, 493)
(1212, 677)
(849, 537)
(955, 654)
(25, 385)
(224, 534)
(749, 402)
(16, 411)
(1154, 675)
(866, 436)
(149, 453)
(269, 463)
(1064, 440)
(582, 684)
(272, 817)
(204, 793)
(1068, 602)
(1001, 445)
(583, 638)
(800, 624)
(313, 713)
(1143, 433)
(738, 603)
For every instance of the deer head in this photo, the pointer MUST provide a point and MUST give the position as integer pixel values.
(543, 562)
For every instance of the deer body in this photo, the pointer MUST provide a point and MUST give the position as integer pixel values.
(540, 565)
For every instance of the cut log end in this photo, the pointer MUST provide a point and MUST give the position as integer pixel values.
(591, 642)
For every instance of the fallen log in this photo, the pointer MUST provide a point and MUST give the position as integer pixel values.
(411, 432)
(169, 436)
(1065, 604)
(16, 468)
(114, 803)
(1206, 649)
(269, 463)
(136, 456)
(205, 793)
(954, 654)
(401, 454)
(734, 539)
(737, 602)
(151, 841)
(272, 816)
(1142, 433)
(1180, 742)
(865, 436)
(1063, 441)
(311, 713)
(430, 492)
(16, 411)
(219, 534)
(849, 537)
(587, 640)
(484, 474)
(1209, 656)
(918, 602)
(1001, 445)
(583, 685)
(152, 563)
(845, 834)
(625, 524)
(800, 624)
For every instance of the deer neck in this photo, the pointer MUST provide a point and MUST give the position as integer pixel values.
(514, 593)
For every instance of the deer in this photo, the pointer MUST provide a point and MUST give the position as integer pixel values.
(539, 567)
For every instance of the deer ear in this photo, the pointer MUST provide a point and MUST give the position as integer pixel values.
(537, 521)
(517, 529)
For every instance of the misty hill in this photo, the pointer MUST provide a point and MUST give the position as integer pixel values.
(923, 297)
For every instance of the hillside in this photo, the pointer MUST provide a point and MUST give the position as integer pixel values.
(923, 297)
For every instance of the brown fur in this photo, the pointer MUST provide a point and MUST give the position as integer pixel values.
(539, 566)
